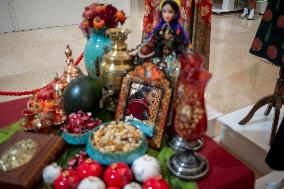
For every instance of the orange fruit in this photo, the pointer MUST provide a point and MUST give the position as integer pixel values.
(120, 15)
(98, 23)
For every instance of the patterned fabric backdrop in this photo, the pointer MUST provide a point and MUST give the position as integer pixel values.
(195, 17)
(269, 39)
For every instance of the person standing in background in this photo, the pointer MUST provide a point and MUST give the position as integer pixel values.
(249, 9)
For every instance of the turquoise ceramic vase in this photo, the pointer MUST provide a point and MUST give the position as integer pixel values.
(97, 43)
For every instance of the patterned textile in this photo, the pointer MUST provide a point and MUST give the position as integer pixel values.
(269, 40)
(200, 28)
(151, 15)
(195, 18)
(154, 107)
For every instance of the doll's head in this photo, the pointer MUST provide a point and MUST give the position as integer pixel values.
(170, 11)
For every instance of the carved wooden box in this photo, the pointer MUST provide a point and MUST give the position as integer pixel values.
(37, 149)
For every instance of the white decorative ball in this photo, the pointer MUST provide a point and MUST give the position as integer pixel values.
(91, 182)
(145, 167)
(50, 173)
(132, 185)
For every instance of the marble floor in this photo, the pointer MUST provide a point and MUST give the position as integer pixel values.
(239, 78)
(30, 59)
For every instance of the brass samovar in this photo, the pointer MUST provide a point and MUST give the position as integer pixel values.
(116, 63)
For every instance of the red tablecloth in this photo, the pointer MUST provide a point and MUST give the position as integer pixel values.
(10, 111)
(226, 172)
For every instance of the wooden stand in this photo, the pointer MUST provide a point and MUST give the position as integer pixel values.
(275, 100)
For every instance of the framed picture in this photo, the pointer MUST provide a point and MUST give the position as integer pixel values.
(144, 101)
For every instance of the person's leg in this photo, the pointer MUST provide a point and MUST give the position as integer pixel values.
(251, 14)
(245, 4)
(252, 6)
(245, 12)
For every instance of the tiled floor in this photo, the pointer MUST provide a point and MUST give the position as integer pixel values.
(30, 59)
(239, 78)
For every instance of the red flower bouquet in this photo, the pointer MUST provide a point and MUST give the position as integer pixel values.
(99, 16)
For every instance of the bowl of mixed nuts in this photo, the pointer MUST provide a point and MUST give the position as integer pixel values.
(116, 141)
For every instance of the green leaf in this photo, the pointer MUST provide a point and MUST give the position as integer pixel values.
(174, 181)
(105, 116)
(153, 152)
(7, 132)
(69, 153)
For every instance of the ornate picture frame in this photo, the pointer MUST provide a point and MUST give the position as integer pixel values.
(149, 76)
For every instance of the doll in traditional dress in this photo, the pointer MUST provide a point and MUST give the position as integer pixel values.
(167, 41)
(165, 44)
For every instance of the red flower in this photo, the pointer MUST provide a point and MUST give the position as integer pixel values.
(283, 58)
(105, 12)
(272, 51)
(280, 21)
(256, 44)
(267, 15)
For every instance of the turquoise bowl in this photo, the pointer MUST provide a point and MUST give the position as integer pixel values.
(144, 127)
(76, 139)
(107, 158)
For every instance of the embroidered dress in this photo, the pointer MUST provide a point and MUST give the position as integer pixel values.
(167, 44)
(195, 17)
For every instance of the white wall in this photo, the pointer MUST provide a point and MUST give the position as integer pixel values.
(17, 15)
(32, 14)
(120, 4)
(6, 22)
(136, 8)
